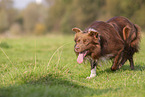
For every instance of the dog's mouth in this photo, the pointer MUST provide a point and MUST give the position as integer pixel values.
(81, 57)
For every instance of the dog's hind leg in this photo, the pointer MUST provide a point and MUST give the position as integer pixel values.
(131, 63)
(117, 60)
(93, 69)
(124, 59)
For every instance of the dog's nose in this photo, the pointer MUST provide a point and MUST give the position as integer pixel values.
(77, 48)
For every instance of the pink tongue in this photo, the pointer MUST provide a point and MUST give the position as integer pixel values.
(80, 58)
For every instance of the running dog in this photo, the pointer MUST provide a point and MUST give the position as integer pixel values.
(116, 39)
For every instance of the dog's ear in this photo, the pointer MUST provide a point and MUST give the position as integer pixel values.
(93, 33)
(77, 30)
(126, 32)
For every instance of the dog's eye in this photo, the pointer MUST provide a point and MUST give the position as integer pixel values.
(78, 40)
(97, 36)
(84, 40)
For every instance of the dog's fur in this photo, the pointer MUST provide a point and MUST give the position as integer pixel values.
(116, 38)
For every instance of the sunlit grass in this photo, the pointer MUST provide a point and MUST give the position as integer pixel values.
(46, 66)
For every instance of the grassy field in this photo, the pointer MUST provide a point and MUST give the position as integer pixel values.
(46, 66)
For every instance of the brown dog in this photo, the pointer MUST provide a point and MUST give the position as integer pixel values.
(117, 38)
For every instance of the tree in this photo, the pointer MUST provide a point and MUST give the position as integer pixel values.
(7, 14)
(33, 15)
(65, 14)
(4, 23)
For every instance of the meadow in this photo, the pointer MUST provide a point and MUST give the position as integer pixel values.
(46, 66)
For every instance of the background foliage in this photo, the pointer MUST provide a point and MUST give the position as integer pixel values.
(61, 15)
(36, 66)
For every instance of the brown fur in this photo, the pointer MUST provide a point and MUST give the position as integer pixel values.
(117, 37)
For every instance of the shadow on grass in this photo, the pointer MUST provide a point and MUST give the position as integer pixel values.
(124, 68)
(51, 86)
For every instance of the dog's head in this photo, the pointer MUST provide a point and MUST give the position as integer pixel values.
(85, 42)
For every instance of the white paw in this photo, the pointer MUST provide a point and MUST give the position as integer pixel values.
(88, 78)
(91, 76)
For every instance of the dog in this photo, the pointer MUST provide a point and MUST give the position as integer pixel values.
(117, 39)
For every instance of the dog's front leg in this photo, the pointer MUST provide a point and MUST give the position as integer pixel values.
(93, 69)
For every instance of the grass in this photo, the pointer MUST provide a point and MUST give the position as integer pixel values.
(46, 67)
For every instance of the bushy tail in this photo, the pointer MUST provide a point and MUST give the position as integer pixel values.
(136, 41)
(138, 29)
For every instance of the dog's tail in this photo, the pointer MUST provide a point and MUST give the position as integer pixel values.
(138, 30)
(135, 42)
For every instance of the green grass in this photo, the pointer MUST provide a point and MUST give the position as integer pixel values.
(25, 72)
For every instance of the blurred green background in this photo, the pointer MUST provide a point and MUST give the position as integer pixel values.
(60, 16)
(46, 65)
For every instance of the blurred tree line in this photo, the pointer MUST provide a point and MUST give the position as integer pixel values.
(62, 15)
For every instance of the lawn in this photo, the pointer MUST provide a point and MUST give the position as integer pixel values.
(46, 66)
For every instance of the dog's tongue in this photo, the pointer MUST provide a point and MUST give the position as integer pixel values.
(80, 58)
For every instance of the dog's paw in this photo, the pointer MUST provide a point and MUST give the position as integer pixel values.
(91, 76)
(88, 77)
